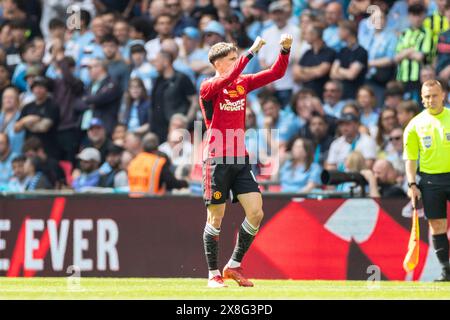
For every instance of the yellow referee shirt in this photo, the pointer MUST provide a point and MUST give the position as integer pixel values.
(427, 137)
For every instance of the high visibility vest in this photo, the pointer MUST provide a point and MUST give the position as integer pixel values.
(144, 173)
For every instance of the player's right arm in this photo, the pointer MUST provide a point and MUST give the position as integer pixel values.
(211, 87)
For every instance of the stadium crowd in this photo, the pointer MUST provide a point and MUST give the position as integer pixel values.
(98, 94)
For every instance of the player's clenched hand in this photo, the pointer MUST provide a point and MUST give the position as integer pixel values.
(259, 42)
(286, 41)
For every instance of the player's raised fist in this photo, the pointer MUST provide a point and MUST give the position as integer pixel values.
(286, 41)
(259, 42)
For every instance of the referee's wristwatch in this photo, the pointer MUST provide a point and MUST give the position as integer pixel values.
(410, 184)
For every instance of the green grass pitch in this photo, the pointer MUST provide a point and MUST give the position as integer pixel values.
(184, 288)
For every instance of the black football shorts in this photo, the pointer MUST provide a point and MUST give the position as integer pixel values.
(222, 180)
(435, 189)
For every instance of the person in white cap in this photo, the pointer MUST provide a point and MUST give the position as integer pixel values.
(89, 175)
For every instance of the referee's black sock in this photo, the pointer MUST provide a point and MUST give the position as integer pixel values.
(245, 238)
(441, 247)
(211, 245)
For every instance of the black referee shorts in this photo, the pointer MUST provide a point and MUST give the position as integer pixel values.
(220, 179)
(435, 190)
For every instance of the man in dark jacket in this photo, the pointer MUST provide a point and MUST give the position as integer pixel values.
(68, 91)
(172, 93)
(104, 95)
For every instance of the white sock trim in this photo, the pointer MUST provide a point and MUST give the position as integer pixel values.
(233, 264)
(213, 273)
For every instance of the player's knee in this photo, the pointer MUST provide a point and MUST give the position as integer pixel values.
(255, 215)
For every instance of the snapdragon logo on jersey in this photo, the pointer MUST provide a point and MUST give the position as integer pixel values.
(237, 105)
(54, 244)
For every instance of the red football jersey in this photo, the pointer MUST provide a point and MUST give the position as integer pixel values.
(223, 101)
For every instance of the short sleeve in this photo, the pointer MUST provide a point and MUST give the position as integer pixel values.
(316, 171)
(187, 85)
(368, 148)
(410, 143)
(332, 156)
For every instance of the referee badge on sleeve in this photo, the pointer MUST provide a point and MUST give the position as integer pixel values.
(427, 141)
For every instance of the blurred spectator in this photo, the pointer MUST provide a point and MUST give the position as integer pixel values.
(117, 68)
(103, 97)
(136, 107)
(350, 65)
(178, 148)
(111, 172)
(68, 91)
(413, 50)
(30, 58)
(333, 14)
(118, 135)
(386, 123)
(443, 49)
(133, 144)
(313, 69)
(163, 25)
(269, 52)
(36, 178)
(380, 44)
(6, 157)
(406, 110)
(260, 13)
(366, 101)
(382, 180)
(437, 23)
(317, 130)
(181, 21)
(5, 81)
(121, 31)
(307, 18)
(149, 172)
(393, 94)
(300, 174)
(332, 98)
(88, 47)
(273, 118)
(57, 9)
(88, 175)
(191, 53)
(141, 68)
(9, 115)
(395, 154)
(19, 180)
(351, 140)
(41, 118)
(171, 46)
(141, 28)
(173, 92)
(235, 30)
(213, 33)
(98, 138)
(49, 166)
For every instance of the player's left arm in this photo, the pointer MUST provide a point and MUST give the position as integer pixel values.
(277, 70)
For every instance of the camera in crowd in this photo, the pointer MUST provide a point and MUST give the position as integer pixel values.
(335, 177)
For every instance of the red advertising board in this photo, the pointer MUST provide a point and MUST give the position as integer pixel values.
(114, 236)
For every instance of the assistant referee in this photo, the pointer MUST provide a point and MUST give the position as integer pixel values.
(427, 139)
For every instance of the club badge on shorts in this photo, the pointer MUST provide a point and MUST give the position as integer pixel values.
(427, 141)
(217, 195)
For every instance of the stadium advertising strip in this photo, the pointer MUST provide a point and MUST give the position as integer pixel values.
(123, 237)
